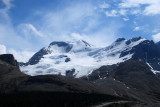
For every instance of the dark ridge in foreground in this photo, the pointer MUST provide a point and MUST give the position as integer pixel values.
(8, 58)
(54, 99)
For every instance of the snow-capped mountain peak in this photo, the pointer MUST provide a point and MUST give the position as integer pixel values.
(65, 47)
(81, 45)
(80, 58)
(60, 47)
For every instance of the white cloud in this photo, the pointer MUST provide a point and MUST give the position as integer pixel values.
(156, 37)
(8, 34)
(125, 19)
(111, 13)
(8, 4)
(151, 7)
(114, 13)
(123, 12)
(78, 36)
(99, 39)
(68, 19)
(4, 12)
(96, 41)
(80, 18)
(21, 56)
(136, 28)
(77, 17)
(10, 38)
(131, 3)
(156, 30)
(136, 11)
(2, 49)
(32, 29)
(104, 5)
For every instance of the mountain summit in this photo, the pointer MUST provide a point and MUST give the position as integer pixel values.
(80, 58)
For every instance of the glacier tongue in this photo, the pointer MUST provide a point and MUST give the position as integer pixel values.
(80, 55)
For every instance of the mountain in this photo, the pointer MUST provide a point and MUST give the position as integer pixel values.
(18, 89)
(136, 48)
(126, 69)
(77, 59)
(137, 76)
(9, 67)
(11, 76)
(8, 58)
(132, 79)
(60, 57)
(158, 44)
(59, 47)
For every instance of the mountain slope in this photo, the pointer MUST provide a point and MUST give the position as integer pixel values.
(18, 89)
(12, 79)
(137, 75)
(80, 58)
(132, 79)
(60, 57)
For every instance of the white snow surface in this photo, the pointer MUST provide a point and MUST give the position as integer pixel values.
(84, 58)
(154, 71)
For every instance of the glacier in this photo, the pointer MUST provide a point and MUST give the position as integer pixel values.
(79, 56)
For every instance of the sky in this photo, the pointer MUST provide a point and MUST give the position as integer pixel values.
(28, 25)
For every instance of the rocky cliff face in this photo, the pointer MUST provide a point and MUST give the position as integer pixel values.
(9, 58)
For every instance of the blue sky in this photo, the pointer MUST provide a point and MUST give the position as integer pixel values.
(28, 25)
